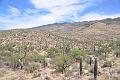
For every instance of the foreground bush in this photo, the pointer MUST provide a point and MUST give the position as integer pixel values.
(60, 62)
(78, 53)
(31, 68)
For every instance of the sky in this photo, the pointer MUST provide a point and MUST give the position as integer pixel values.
(16, 14)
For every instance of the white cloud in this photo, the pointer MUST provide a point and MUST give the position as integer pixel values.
(59, 10)
(52, 3)
(14, 11)
(97, 16)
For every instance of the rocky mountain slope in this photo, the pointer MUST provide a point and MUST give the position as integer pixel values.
(74, 33)
(59, 45)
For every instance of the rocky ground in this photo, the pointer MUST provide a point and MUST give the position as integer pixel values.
(72, 72)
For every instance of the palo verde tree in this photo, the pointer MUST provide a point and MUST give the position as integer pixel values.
(14, 53)
(60, 62)
(75, 53)
(78, 55)
(22, 51)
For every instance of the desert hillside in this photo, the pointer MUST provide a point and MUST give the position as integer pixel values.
(88, 50)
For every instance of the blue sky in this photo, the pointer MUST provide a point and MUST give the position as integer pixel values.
(30, 13)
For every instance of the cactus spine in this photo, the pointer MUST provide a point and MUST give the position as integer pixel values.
(95, 69)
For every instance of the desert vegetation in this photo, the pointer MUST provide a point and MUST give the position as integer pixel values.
(65, 61)
(42, 55)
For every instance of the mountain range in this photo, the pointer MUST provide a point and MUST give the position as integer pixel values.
(106, 29)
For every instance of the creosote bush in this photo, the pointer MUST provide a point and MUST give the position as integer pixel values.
(31, 68)
(107, 64)
(2, 72)
(37, 58)
(52, 52)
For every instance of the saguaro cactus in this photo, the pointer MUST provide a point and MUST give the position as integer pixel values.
(80, 66)
(117, 54)
(90, 61)
(44, 62)
(95, 69)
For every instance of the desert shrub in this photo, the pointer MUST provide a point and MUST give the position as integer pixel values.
(18, 78)
(47, 78)
(2, 72)
(52, 52)
(107, 64)
(5, 55)
(9, 47)
(31, 68)
(60, 62)
(117, 53)
(36, 74)
(9, 57)
(103, 47)
(78, 53)
(37, 58)
(12, 52)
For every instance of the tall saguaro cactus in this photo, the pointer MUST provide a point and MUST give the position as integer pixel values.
(90, 61)
(80, 66)
(95, 69)
(44, 62)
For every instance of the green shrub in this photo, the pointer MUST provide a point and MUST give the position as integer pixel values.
(52, 52)
(107, 64)
(9, 57)
(12, 52)
(78, 53)
(2, 72)
(37, 58)
(5, 55)
(31, 68)
(60, 62)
